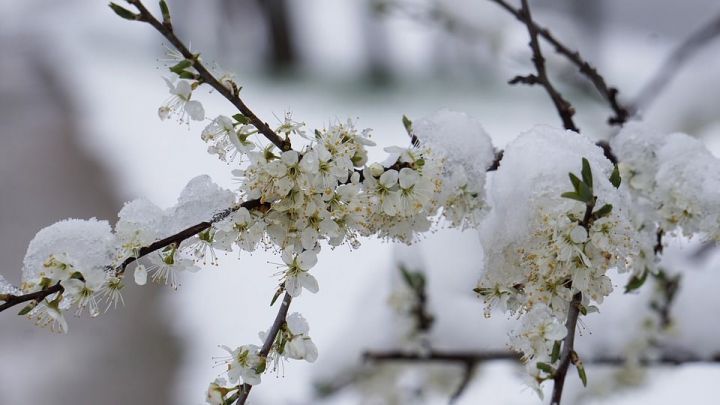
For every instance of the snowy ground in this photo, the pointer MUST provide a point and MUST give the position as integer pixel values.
(120, 91)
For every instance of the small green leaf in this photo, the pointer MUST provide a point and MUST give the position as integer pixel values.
(555, 356)
(636, 282)
(583, 309)
(181, 66)
(604, 211)
(275, 297)
(585, 193)
(587, 173)
(615, 177)
(407, 124)
(545, 367)
(165, 11)
(29, 307)
(123, 12)
(581, 373)
(575, 182)
(241, 119)
(573, 196)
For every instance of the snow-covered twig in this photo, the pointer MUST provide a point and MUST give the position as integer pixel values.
(12, 300)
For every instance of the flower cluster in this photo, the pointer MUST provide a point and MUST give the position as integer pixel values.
(674, 177)
(544, 246)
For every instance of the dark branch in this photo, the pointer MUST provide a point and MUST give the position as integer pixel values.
(269, 341)
(481, 357)
(567, 349)
(563, 107)
(610, 94)
(675, 61)
(165, 28)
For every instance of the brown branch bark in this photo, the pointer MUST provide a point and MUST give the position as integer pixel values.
(165, 28)
(609, 93)
(563, 107)
(567, 349)
(269, 341)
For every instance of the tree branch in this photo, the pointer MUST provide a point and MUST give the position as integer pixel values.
(177, 238)
(675, 61)
(563, 107)
(567, 349)
(269, 341)
(476, 357)
(610, 94)
(231, 94)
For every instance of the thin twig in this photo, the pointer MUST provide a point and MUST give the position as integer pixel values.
(231, 94)
(609, 93)
(675, 61)
(269, 341)
(476, 357)
(563, 107)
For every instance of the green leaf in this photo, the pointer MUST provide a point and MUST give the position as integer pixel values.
(545, 367)
(181, 66)
(615, 177)
(575, 182)
(604, 211)
(407, 124)
(636, 282)
(241, 119)
(583, 310)
(581, 373)
(587, 173)
(275, 297)
(123, 12)
(414, 280)
(573, 196)
(585, 193)
(165, 11)
(555, 356)
(29, 307)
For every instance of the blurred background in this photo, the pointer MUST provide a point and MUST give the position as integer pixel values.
(79, 92)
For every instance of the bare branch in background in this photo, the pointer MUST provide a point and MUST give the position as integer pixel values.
(675, 61)
(610, 94)
(563, 107)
